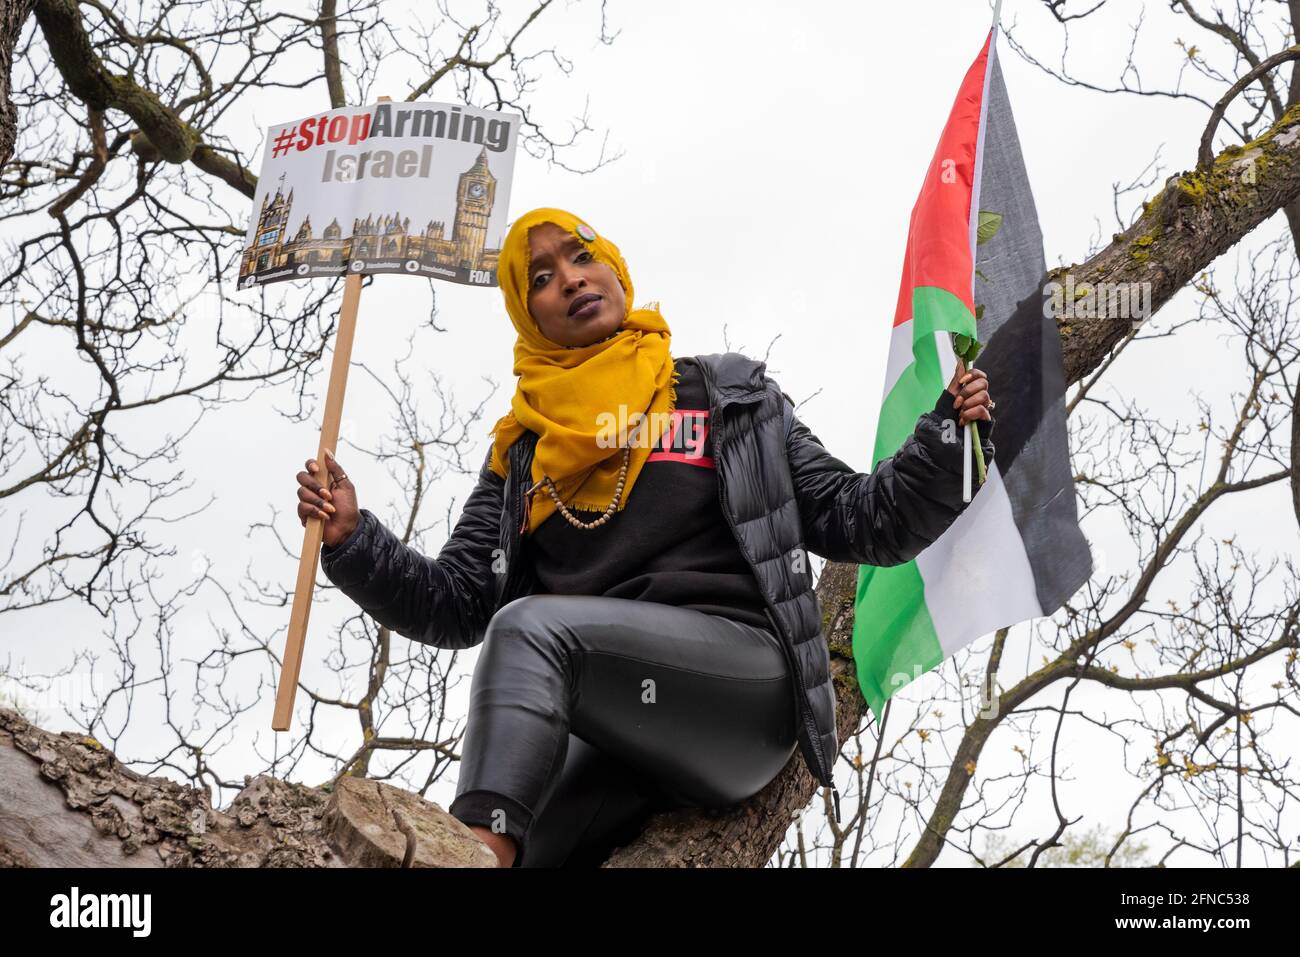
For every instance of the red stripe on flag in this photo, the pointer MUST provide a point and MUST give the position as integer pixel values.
(938, 240)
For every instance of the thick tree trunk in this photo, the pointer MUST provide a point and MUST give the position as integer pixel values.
(66, 801)
(13, 14)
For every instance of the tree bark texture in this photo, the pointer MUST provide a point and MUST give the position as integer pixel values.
(13, 14)
(66, 801)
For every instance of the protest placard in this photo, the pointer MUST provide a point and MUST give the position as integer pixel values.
(419, 188)
(385, 181)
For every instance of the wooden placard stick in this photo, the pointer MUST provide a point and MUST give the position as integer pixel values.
(314, 532)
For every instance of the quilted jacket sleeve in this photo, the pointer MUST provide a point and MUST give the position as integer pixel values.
(890, 515)
(444, 601)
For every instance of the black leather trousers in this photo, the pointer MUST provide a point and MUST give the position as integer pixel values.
(587, 714)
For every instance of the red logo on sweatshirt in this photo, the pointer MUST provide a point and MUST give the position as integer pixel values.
(686, 439)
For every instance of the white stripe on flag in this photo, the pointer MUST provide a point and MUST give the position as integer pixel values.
(901, 357)
(967, 595)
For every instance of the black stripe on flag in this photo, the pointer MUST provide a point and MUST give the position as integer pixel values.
(1022, 357)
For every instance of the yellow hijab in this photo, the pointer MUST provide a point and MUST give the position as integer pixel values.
(571, 397)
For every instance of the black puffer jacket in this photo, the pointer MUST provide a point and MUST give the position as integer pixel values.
(780, 490)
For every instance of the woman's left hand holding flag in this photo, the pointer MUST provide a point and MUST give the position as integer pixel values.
(971, 394)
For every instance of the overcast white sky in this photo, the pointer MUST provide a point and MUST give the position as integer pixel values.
(772, 154)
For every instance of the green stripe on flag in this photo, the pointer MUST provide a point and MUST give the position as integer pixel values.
(933, 310)
(894, 640)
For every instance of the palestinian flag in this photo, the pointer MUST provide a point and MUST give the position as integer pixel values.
(1016, 552)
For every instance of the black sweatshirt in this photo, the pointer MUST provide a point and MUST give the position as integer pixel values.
(671, 542)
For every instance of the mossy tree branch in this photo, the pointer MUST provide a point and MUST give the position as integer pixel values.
(1198, 216)
(164, 133)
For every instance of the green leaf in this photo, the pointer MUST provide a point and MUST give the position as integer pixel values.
(979, 311)
(980, 274)
(960, 344)
(989, 224)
